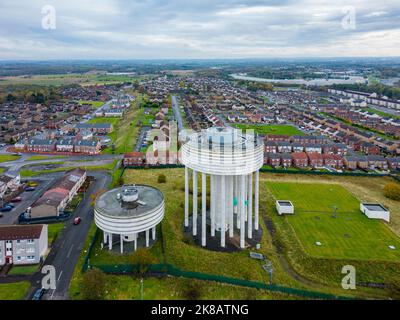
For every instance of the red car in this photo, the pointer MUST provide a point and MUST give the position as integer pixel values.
(77, 220)
(16, 199)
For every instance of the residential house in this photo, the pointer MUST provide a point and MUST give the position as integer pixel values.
(300, 159)
(23, 245)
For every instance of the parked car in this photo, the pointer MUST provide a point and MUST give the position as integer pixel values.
(1, 215)
(77, 221)
(30, 189)
(6, 209)
(9, 205)
(38, 294)
(16, 199)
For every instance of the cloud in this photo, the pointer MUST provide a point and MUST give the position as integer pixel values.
(122, 29)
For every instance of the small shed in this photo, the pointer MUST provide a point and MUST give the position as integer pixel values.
(284, 207)
(375, 211)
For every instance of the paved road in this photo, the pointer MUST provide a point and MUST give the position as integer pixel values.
(68, 246)
(177, 112)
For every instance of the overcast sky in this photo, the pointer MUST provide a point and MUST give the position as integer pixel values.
(130, 29)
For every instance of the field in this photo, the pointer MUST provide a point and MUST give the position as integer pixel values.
(14, 291)
(271, 129)
(67, 79)
(351, 235)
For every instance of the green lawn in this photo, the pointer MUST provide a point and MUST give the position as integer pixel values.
(54, 230)
(95, 104)
(32, 173)
(351, 235)
(6, 157)
(17, 270)
(14, 291)
(271, 129)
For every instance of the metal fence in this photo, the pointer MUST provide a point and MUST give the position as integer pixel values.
(171, 270)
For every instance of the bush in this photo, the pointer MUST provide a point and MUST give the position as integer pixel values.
(142, 258)
(93, 285)
(162, 178)
(392, 191)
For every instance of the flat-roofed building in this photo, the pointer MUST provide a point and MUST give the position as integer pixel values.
(375, 211)
(284, 207)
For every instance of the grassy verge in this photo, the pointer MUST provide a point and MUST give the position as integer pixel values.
(7, 157)
(271, 129)
(17, 270)
(14, 291)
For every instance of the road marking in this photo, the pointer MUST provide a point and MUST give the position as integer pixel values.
(69, 252)
(60, 275)
(51, 297)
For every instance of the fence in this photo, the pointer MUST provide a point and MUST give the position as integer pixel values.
(355, 174)
(169, 269)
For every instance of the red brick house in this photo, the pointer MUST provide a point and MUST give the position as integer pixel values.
(134, 159)
(316, 159)
(277, 137)
(300, 159)
(333, 160)
(274, 159)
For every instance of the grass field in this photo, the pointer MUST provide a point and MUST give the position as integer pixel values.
(14, 291)
(6, 157)
(95, 104)
(351, 235)
(271, 129)
(67, 79)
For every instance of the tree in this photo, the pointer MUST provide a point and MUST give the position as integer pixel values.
(392, 191)
(11, 98)
(162, 178)
(142, 258)
(94, 285)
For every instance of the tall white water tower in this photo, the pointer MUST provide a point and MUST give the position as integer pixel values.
(231, 159)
